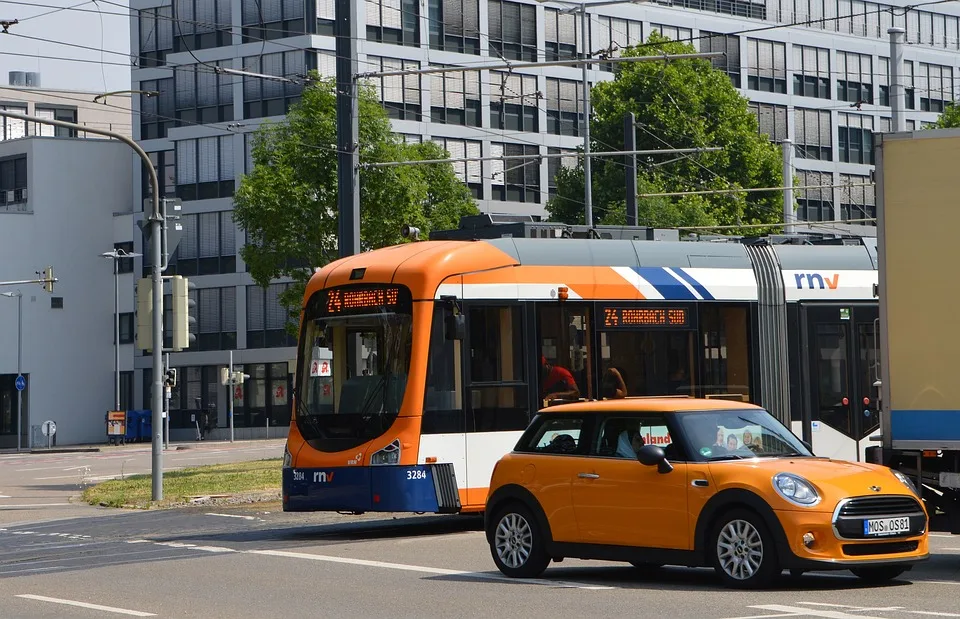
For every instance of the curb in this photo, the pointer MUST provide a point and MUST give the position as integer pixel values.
(64, 450)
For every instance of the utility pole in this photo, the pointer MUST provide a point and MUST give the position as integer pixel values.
(348, 134)
(897, 93)
(788, 215)
(630, 144)
(587, 178)
(156, 224)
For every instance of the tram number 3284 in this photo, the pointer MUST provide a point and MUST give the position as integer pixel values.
(416, 474)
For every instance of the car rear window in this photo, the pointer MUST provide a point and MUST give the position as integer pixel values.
(557, 435)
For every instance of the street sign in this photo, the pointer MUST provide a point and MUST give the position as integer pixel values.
(49, 428)
(21, 382)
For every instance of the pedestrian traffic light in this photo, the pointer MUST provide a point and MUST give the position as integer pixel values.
(183, 307)
(170, 377)
(145, 313)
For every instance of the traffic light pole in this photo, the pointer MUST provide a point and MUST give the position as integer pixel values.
(230, 397)
(156, 225)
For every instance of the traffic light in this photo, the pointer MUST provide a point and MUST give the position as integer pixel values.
(170, 377)
(145, 313)
(47, 278)
(182, 312)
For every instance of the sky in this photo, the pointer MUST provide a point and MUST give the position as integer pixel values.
(96, 24)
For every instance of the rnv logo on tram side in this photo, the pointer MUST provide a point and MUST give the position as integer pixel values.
(322, 477)
(823, 281)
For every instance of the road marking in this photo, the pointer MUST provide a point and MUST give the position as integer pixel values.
(931, 613)
(3, 496)
(793, 611)
(423, 569)
(858, 609)
(109, 609)
(233, 516)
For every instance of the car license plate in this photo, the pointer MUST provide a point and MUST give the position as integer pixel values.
(886, 526)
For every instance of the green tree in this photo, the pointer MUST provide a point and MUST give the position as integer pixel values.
(950, 117)
(287, 204)
(677, 104)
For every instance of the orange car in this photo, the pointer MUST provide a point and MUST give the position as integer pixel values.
(695, 482)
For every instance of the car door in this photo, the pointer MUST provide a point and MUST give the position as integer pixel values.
(619, 501)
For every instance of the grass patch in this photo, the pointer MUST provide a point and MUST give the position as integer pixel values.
(181, 485)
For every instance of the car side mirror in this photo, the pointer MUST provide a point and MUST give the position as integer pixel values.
(650, 455)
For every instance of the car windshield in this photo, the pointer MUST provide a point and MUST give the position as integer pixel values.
(737, 434)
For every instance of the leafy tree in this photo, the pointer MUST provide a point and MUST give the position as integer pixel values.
(288, 203)
(950, 118)
(677, 104)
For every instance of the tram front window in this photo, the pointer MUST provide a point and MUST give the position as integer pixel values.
(353, 372)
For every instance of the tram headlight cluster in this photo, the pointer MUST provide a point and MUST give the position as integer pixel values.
(388, 455)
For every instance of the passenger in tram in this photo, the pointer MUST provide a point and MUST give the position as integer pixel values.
(558, 383)
(612, 385)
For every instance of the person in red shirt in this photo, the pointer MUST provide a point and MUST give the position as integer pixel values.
(557, 382)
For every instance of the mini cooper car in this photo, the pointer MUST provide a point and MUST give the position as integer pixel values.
(695, 482)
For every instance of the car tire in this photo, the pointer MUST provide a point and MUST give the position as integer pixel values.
(517, 542)
(879, 573)
(742, 550)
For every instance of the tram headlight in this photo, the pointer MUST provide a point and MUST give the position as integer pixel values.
(287, 457)
(388, 455)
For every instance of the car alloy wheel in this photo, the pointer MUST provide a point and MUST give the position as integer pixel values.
(743, 551)
(517, 543)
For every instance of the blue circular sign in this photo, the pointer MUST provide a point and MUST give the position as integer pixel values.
(21, 383)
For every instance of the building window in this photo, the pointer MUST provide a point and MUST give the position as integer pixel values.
(13, 184)
(205, 168)
(814, 138)
(728, 44)
(455, 98)
(512, 30)
(855, 138)
(815, 204)
(56, 302)
(124, 265)
(267, 318)
(201, 24)
(855, 77)
(469, 172)
(771, 120)
(265, 97)
(515, 180)
(562, 35)
(553, 167)
(264, 396)
(13, 128)
(613, 34)
(400, 94)
(164, 166)
(394, 21)
(207, 246)
(126, 390)
(812, 77)
(198, 389)
(935, 83)
(564, 107)
(216, 326)
(455, 25)
(857, 199)
(55, 113)
(126, 328)
(766, 66)
(907, 81)
(673, 32)
(271, 19)
(514, 100)
(202, 96)
(157, 112)
(156, 36)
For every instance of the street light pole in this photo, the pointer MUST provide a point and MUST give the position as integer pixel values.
(19, 296)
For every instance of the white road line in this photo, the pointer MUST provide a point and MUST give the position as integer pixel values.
(109, 609)
(931, 613)
(796, 610)
(232, 516)
(934, 582)
(859, 609)
(421, 568)
(3, 496)
(57, 477)
(769, 616)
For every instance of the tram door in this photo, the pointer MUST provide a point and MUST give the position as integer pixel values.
(841, 365)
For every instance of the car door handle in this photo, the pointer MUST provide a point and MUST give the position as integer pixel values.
(588, 476)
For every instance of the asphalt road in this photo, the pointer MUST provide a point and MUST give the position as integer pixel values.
(253, 560)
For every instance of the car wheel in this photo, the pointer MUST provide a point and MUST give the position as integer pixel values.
(879, 574)
(742, 550)
(517, 544)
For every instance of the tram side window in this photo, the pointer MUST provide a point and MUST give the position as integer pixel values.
(565, 345)
(443, 400)
(726, 352)
(651, 362)
(498, 386)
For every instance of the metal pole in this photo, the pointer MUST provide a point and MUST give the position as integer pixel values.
(156, 394)
(166, 410)
(116, 333)
(19, 366)
(587, 180)
(630, 143)
(897, 94)
(230, 398)
(348, 134)
(788, 215)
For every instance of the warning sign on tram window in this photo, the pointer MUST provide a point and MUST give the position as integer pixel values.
(320, 367)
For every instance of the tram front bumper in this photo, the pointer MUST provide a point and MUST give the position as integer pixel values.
(419, 488)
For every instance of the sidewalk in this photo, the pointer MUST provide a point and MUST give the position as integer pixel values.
(145, 446)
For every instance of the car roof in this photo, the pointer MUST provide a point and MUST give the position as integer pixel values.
(649, 404)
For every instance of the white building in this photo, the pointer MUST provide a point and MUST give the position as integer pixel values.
(63, 202)
(822, 83)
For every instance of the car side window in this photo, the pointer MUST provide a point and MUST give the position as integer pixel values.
(620, 436)
(557, 435)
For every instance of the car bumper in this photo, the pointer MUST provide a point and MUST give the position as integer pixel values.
(421, 488)
(829, 551)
